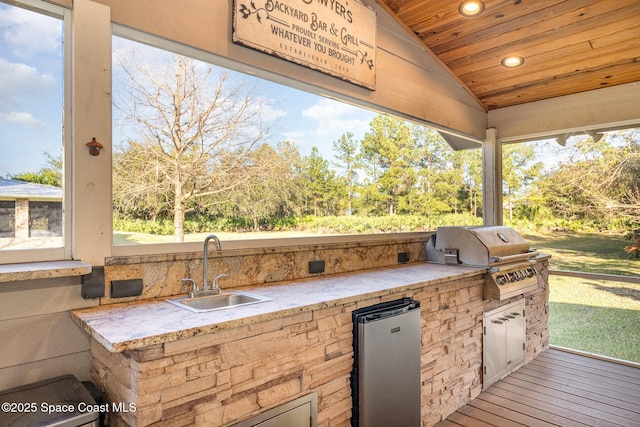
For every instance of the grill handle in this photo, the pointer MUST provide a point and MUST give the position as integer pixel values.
(511, 258)
(510, 267)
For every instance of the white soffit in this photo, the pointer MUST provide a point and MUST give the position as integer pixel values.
(594, 111)
(459, 143)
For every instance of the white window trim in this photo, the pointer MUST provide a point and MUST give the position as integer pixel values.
(64, 253)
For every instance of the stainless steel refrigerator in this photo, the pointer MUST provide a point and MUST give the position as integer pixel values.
(386, 376)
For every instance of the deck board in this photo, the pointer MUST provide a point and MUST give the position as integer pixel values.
(578, 389)
(558, 388)
(489, 415)
(590, 363)
(599, 384)
(571, 396)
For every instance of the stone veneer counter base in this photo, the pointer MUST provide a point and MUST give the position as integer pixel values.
(134, 325)
(178, 368)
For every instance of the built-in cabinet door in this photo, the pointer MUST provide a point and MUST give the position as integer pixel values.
(301, 412)
(495, 358)
(503, 341)
(296, 417)
(515, 337)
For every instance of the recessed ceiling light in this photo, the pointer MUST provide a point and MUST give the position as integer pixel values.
(471, 8)
(512, 61)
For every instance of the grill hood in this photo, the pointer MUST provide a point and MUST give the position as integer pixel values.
(508, 257)
(481, 246)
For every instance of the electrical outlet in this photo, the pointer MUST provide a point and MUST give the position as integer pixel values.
(316, 267)
(126, 288)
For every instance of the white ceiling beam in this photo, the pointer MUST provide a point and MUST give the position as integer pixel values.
(612, 108)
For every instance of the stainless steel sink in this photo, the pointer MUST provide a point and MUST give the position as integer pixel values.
(218, 302)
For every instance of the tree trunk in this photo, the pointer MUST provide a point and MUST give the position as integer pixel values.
(178, 213)
(391, 206)
(510, 206)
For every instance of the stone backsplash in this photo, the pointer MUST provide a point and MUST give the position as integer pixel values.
(162, 275)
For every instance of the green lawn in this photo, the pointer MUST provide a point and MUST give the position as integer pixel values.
(601, 317)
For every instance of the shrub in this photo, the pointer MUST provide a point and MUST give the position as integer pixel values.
(157, 227)
(633, 250)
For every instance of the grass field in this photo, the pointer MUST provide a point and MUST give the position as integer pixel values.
(601, 317)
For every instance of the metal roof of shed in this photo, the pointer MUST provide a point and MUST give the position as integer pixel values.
(11, 190)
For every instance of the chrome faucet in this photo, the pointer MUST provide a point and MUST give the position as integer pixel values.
(215, 289)
(206, 291)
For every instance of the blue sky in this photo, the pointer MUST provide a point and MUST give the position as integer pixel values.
(306, 119)
(30, 89)
(31, 99)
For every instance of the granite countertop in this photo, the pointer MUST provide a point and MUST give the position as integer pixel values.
(42, 270)
(130, 326)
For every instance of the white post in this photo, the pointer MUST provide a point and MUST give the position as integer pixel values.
(492, 179)
(21, 223)
(92, 219)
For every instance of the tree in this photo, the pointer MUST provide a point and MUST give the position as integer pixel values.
(51, 174)
(466, 175)
(322, 186)
(433, 161)
(519, 170)
(271, 186)
(140, 186)
(386, 154)
(193, 132)
(600, 180)
(346, 150)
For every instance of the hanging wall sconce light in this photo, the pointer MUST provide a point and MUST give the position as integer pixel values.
(595, 136)
(94, 147)
(562, 139)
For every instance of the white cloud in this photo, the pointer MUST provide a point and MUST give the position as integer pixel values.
(329, 108)
(28, 33)
(18, 79)
(335, 116)
(293, 136)
(22, 119)
(268, 110)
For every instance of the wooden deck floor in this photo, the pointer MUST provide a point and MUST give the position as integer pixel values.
(557, 388)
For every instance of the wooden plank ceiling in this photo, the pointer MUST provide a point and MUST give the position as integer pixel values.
(569, 46)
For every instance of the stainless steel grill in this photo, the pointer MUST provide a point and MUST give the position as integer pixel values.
(507, 255)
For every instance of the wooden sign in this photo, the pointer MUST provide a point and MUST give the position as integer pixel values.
(336, 37)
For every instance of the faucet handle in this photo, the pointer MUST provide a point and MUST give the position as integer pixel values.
(218, 277)
(194, 286)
